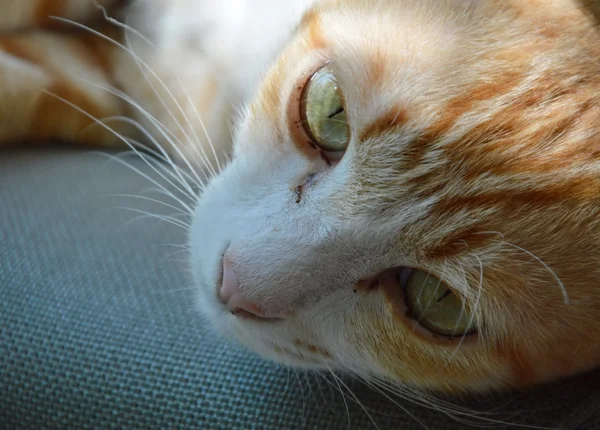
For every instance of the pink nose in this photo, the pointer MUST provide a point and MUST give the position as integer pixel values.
(230, 294)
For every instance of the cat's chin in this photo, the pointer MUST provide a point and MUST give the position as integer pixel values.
(264, 338)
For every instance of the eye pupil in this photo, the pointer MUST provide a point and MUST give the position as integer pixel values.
(444, 295)
(337, 112)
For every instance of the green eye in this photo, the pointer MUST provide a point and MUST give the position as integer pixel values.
(435, 306)
(322, 112)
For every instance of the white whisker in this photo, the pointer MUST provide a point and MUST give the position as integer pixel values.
(135, 151)
(539, 260)
(303, 401)
(142, 65)
(178, 245)
(474, 310)
(339, 381)
(162, 189)
(164, 218)
(339, 388)
(190, 189)
(310, 392)
(452, 411)
(120, 24)
(287, 381)
(205, 131)
(164, 131)
(120, 137)
(321, 389)
(171, 254)
(133, 196)
(403, 408)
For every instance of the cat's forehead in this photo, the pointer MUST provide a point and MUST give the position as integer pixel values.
(398, 60)
(410, 54)
(471, 86)
(408, 71)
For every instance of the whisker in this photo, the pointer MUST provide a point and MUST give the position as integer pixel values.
(539, 260)
(133, 196)
(164, 131)
(403, 408)
(310, 392)
(195, 188)
(162, 189)
(178, 245)
(140, 63)
(339, 387)
(164, 218)
(378, 386)
(340, 381)
(120, 24)
(457, 413)
(120, 137)
(191, 185)
(171, 254)
(202, 125)
(303, 401)
(158, 191)
(419, 398)
(287, 382)
(561, 285)
(192, 190)
(321, 389)
(475, 306)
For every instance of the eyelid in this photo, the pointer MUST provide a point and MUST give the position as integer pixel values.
(299, 136)
(396, 297)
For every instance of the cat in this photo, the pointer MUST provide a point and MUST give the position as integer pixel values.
(410, 190)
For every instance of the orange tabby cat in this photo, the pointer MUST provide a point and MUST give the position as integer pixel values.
(414, 191)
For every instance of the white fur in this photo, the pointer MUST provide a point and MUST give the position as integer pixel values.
(238, 37)
(288, 256)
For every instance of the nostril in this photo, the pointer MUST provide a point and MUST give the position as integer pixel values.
(231, 296)
(229, 283)
(242, 313)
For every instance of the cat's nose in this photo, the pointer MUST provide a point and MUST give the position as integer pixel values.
(231, 296)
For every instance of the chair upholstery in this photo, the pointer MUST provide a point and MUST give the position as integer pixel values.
(98, 327)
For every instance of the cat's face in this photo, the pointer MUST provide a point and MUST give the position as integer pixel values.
(443, 229)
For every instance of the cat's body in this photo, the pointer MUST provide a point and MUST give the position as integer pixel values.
(472, 154)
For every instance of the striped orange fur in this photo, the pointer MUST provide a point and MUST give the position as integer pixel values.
(41, 67)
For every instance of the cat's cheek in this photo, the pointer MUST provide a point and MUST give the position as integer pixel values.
(401, 355)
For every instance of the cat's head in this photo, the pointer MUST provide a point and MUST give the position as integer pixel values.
(415, 194)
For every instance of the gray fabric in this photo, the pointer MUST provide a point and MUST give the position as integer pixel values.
(98, 328)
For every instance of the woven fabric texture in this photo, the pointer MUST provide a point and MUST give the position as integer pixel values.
(98, 327)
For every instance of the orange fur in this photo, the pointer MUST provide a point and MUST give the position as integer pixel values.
(45, 115)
